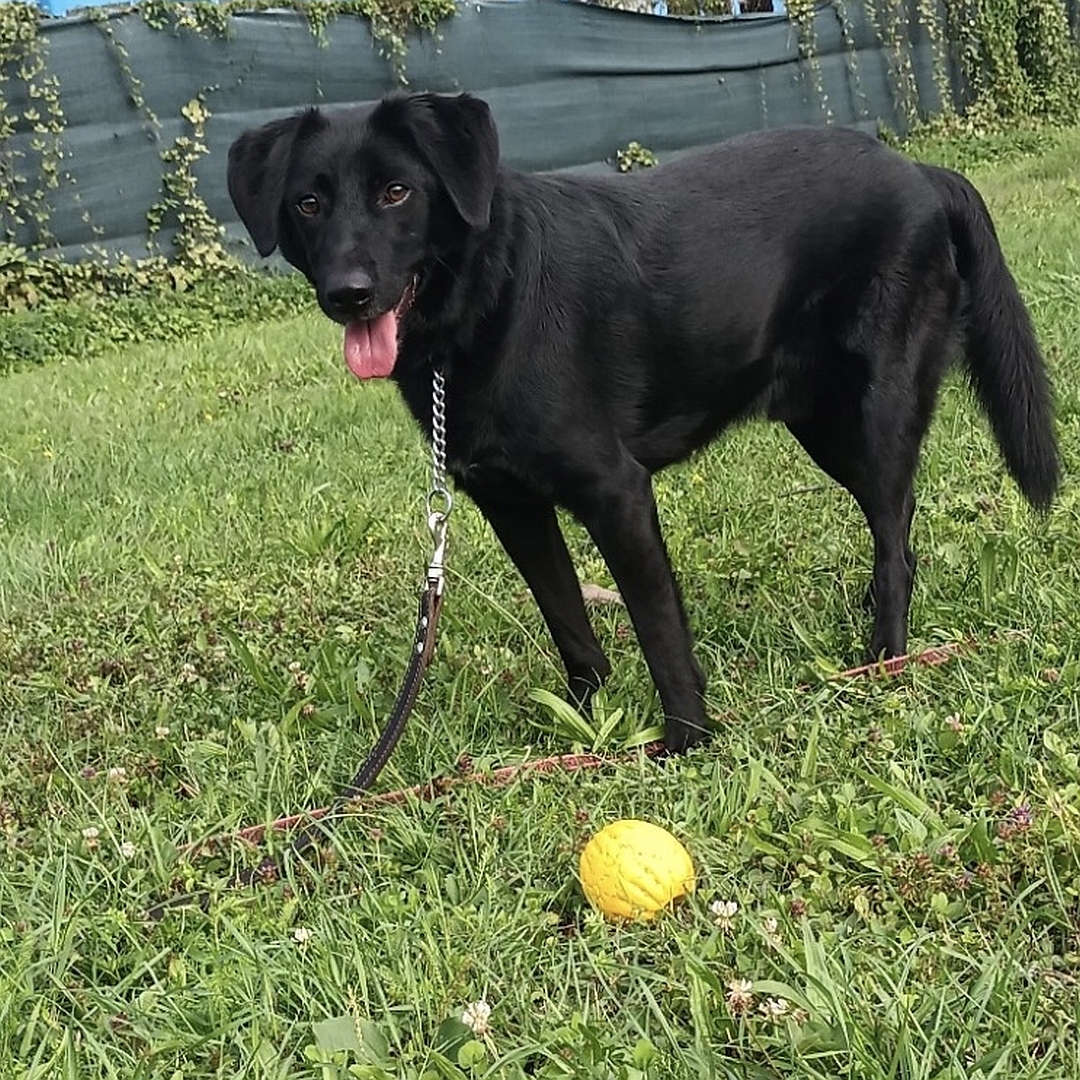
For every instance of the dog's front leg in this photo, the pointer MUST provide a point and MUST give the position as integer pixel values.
(529, 531)
(618, 509)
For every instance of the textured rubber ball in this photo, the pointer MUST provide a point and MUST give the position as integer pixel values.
(632, 869)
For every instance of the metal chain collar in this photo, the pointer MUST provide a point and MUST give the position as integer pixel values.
(440, 501)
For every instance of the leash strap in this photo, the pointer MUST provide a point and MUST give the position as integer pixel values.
(423, 648)
(270, 870)
(439, 505)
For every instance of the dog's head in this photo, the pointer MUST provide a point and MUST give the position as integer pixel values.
(362, 200)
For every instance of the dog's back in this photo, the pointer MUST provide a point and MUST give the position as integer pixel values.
(740, 279)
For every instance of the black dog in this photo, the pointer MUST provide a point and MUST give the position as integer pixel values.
(594, 330)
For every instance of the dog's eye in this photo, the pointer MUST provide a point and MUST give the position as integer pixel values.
(308, 205)
(394, 194)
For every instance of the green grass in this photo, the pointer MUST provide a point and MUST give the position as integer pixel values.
(208, 573)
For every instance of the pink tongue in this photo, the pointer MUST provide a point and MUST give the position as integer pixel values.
(371, 347)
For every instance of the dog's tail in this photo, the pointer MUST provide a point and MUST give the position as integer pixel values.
(1003, 358)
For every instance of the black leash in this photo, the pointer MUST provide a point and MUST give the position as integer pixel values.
(439, 505)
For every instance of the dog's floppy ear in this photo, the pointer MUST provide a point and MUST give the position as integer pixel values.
(457, 138)
(258, 160)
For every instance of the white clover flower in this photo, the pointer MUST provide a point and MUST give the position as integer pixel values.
(476, 1016)
(723, 913)
(774, 1009)
(740, 996)
(302, 935)
(770, 927)
(91, 832)
(117, 774)
(128, 849)
(161, 732)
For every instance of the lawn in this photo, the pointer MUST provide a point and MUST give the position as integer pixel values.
(209, 564)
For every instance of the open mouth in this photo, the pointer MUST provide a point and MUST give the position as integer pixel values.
(371, 345)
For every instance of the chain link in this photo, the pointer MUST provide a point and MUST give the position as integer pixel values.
(439, 501)
(438, 441)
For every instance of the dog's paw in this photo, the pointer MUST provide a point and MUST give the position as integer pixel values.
(579, 694)
(680, 737)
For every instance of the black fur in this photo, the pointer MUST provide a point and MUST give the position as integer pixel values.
(595, 330)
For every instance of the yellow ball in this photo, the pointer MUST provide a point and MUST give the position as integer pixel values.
(632, 869)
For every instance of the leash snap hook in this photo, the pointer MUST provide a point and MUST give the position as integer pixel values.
(437, 523)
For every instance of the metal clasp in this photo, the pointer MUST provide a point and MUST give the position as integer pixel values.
(437, 523)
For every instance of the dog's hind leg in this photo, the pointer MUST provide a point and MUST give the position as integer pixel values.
(872, 404)
(529, 531)
(871, 447)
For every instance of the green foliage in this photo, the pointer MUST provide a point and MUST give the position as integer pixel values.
(605, 729)
(802, 13)
(57, 310)
(1021, 57)
(197, 240)
(26, 180)
(390, 20)
(1019, 61)
(701, 8)
(634, 156)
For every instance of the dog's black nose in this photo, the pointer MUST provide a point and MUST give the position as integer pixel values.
(350, 297)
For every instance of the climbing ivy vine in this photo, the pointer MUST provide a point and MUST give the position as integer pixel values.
(30, 103)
